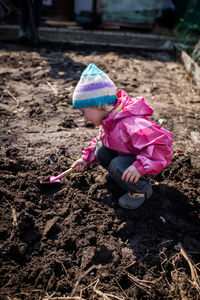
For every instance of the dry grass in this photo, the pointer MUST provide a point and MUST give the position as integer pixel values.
(179, 276)
(182, 285)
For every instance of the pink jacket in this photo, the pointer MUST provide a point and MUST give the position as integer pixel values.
(129, 131)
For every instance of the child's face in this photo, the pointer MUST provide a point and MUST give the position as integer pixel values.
(94, 115)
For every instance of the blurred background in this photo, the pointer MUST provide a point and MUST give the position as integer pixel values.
(175, 18)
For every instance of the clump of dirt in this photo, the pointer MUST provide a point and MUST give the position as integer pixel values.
(72, 238)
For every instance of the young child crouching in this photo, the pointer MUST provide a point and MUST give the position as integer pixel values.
(129, 144)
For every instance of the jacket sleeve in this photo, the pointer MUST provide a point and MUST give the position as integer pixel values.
(88, 153)
(153, 145)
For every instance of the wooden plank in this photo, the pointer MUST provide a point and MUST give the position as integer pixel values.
(96, 37)
(107, 24)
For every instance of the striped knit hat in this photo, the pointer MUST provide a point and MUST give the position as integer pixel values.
(94, 88)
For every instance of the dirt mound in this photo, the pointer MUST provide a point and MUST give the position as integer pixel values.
(52, 235)
(72, 238)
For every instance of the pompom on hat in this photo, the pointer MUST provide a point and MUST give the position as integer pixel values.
(94, 88)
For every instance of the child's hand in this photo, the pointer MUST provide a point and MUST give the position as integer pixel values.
(79, 165)
(131, 174)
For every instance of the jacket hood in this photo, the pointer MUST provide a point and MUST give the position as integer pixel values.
(127, 107)
(137, 106)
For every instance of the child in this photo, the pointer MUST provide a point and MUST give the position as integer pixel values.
(129, 144)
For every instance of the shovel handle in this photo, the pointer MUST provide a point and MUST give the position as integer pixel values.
(63, 174)
(68, 171)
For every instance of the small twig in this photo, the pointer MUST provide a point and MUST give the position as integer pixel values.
(63, 298)
(197, 267)
(26, 294)
(12, 96)
(85, 288)
(193, 271)
(139, 281)
(58, 260)
(99, 292)
(48, 297)
(130, 265)
(14, 216)
(165, 260)
(114, 297)
(121, 288)
(53, 89)
(51, 296)
(103, 295)
(82, 276)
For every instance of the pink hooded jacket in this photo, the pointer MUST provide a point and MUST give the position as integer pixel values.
(129, 131)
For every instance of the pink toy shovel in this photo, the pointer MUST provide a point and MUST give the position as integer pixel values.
(56, 179)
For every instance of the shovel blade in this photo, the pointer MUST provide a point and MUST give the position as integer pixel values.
(51, 180)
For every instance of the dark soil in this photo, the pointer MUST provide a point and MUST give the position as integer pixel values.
(73, 238)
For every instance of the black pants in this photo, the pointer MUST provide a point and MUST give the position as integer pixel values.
(116, 165)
